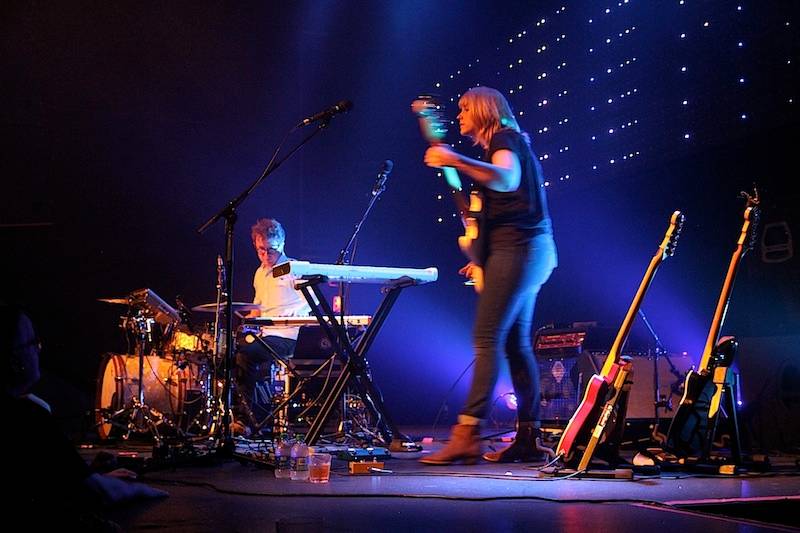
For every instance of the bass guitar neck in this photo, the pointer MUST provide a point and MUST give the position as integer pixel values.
(433, 128)
(689, 433)
(600, 405)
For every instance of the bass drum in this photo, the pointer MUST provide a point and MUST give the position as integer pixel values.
(174, 391)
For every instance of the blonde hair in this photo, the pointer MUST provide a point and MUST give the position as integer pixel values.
(490, 111)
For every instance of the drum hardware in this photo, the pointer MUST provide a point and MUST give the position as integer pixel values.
(161, 311)
(150, 321)
(140, 417)
(175, 390)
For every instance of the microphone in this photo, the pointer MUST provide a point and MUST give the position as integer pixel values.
(342, 106)
(383, 174)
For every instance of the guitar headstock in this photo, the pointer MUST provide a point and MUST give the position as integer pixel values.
(673, 232)
(431, 118)
(752, 216)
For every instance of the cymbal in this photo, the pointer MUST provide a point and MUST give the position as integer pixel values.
(237, 306)
(123, 301)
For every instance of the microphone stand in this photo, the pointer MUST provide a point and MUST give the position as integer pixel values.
(228, 213)
(345, 257)
(344, 254)
(658, 403)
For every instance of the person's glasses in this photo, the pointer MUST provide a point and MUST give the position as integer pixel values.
(272, 251)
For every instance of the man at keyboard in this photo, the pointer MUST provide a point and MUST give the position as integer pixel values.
(277, 297)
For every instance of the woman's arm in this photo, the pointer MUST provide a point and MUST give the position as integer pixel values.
(503, 174)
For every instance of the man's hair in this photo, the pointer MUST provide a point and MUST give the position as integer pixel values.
(269, 229)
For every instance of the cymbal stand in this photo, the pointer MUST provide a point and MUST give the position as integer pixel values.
(215, 405)
(142, 325)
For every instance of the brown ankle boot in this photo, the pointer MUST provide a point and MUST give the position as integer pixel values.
(464, 445)
(527, 447)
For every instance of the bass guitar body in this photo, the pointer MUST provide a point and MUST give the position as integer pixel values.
(576, 435)
(690, 432)
(690, 423)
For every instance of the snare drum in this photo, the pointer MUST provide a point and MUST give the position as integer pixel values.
(174, 390)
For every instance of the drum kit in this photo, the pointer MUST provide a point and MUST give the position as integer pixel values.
(169, 385)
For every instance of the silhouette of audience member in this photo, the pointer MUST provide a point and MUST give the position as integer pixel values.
(51, 483)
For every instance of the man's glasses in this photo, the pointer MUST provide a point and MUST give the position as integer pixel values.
(268, 251)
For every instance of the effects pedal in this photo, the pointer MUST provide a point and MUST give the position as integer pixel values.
(365, 467)
(365, 454)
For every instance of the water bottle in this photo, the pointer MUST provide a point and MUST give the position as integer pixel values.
(299, 461)
(283, 451)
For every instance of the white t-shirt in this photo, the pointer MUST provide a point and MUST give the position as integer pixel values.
(278, 297)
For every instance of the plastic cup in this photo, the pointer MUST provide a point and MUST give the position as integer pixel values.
(319, 468)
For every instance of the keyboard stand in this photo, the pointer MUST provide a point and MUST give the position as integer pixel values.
(355, 367)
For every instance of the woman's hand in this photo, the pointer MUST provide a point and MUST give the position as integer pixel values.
(441, 156)
(467, 269)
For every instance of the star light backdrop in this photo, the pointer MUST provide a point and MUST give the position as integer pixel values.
(607, 90)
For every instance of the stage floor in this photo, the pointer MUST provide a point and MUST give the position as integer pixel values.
(239, 495)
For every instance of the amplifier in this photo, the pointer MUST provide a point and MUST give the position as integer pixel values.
(670, 371)
(581, 337)
(562, 379)
(567, 357)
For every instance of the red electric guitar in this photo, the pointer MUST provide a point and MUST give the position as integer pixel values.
(428, 111)
(600, 405)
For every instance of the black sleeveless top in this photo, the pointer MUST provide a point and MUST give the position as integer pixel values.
(514, 218)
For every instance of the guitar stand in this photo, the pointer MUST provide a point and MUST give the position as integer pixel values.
(605, 448)
(707, 461)
(355, 369)
(728, 409)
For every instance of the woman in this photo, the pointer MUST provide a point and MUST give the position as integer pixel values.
(520, 255)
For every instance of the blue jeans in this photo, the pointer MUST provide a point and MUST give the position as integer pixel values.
(512, 279)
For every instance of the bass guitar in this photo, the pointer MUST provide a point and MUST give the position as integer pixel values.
(600, 408)
(433, 127)
(690, 433)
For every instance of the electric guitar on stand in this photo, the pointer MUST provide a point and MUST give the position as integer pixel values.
(605, 398)
(691, 431)
(428, 111)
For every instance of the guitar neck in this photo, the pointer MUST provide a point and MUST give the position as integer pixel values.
(624, 330)
(725, 294)
(665, 249)
(452, 178)
(433, 128)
